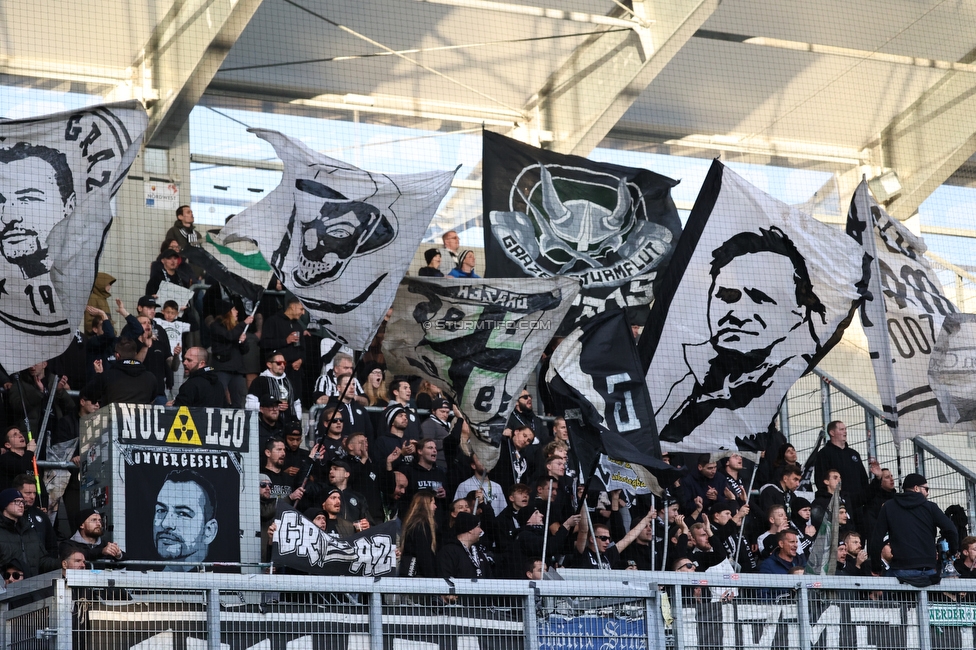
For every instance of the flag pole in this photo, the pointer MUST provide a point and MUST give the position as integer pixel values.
(589, 520)
(30, 437)
(667, 536)
(742, 526)
(257, 303)
(653, 526)
(545, 534)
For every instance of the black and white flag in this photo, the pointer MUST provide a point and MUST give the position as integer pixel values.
(952, 368)
(300, 544)
(477, 339)
(549, 214)
(757, 293)
(338, 237)
(242, 272)
(58, 174)
(596, 370)
(901, 319)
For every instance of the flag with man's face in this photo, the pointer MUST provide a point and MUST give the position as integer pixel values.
(756, 294)
(58, 174)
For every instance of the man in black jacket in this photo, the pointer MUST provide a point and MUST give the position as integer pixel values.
(284, 333)
(465, 557)
(38, 518)
(126, 382)
(19, 542)
(202, 387)
(910, 521)
(837, 454)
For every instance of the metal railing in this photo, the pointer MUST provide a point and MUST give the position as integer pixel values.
(585, 610)
(817, 399)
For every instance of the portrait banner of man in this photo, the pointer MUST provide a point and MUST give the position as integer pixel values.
(183, 514)
(550, 214)
(902, 319)
(338, 237)
(58, 174)
(757, 293)
(478, 340)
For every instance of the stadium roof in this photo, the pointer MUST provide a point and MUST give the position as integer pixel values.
(863, 87)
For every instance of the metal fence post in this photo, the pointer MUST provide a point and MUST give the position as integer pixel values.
(64, 604)
(825, 411)
(213, 619)
(870, 427)
(971, 503)
(803, 617)
(376, 620)
(654, 627)
(924, 633)
(530, 621)
(677, 613)
(919, 458)
(784, 419)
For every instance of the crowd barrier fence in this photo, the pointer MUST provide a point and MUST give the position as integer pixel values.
(583, 610)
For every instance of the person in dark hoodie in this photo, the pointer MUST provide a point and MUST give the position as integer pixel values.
(202, 387)
(127, 381)
(910, 521)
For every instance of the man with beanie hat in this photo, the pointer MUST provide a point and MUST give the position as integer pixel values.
(397, 419)
(910, 521)
(19, 541)
(437, 427)
(465, 266)
(332, 506)
(88, 539)
(464, 556)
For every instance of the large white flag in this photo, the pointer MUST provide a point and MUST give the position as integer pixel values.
(476, 339)
(757, 294)
(58, 174)
(338, 237)
(902, 317)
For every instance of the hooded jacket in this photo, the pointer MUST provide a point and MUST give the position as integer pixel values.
(202, 388)
(126, 382)
(99, 298)
(910, 520)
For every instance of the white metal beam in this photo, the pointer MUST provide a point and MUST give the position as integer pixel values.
(588, 94)
(181, 58)
(536, 12)
(931, 139)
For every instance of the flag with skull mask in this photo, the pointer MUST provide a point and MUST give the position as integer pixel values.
(550, 214)
(338, 237)
(476, 339)
(58, 174)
